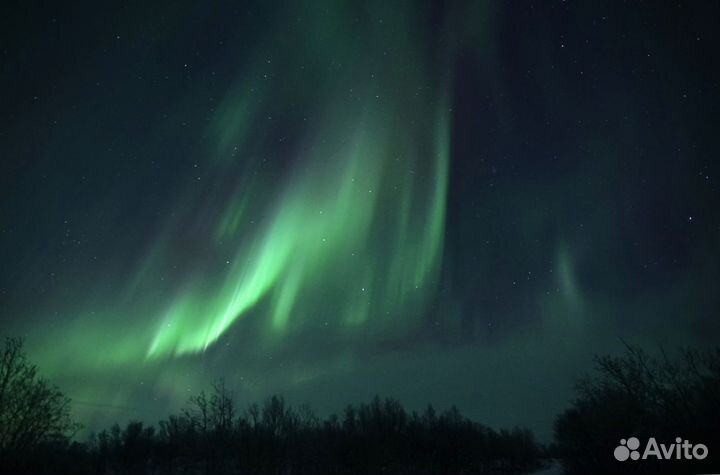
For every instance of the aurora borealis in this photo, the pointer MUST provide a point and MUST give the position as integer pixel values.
(446, 202)
(320, 225)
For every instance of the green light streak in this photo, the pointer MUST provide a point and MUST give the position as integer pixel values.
(336, 234)
(328, 222)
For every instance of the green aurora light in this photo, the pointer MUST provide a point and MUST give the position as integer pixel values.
(345, 235)
(352, 204)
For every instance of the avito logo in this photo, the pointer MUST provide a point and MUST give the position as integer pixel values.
(680, 450)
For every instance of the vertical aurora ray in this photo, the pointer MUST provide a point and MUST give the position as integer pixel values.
(318, 250)
(314, 208)
(351, 237)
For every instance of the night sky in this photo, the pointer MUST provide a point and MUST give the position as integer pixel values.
(443, 202)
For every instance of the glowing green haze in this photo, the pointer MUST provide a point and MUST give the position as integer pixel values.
(349, 237)
(355, 200)
(311, 223)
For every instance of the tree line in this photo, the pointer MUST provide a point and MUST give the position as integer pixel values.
(633, 394)
(664, 397)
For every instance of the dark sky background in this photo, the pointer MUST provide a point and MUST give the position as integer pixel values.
(443, 202)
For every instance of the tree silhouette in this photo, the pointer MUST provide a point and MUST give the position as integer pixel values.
(636, 395)
(210, 436)
(33, 413)
(274, 438)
